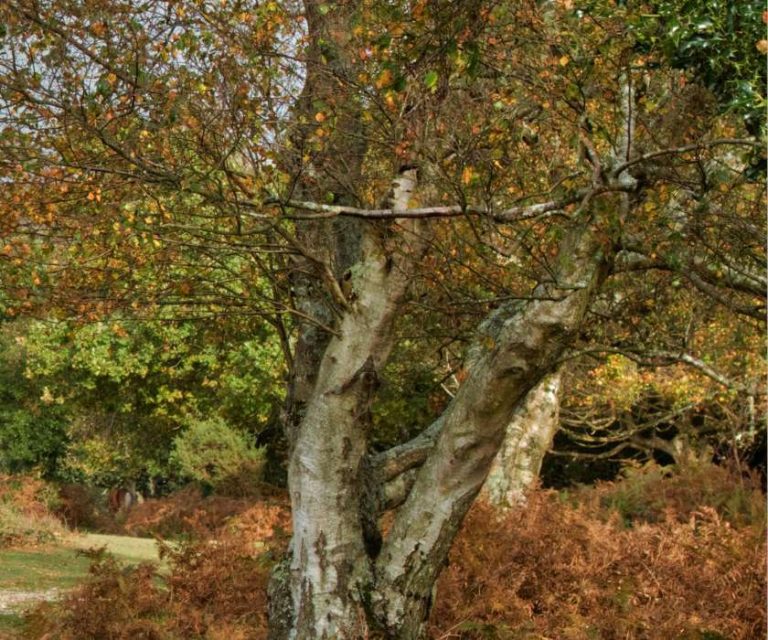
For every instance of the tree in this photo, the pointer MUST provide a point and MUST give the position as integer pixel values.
(33, 425)
(128, 388)
(316, 166)
(527, 440)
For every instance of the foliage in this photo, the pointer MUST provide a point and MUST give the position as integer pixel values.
(564, 568)
(216, 455)
(32, 424)
(722, 45)
(106, 616)
(214, 591)
(101, 402)
(26, 511)
(84, 507)
(651, 493)
(671, 374)
(19, 528)
(155, 159)
(189, 514)
(557, 571)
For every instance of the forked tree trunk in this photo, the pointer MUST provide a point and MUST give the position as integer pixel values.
(527, 439)
(343, 581)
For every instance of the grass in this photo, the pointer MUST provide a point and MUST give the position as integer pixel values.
(125, 548)
(61, 566)
(41, 569)
(10, 623)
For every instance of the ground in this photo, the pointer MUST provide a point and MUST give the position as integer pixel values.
(42, 573)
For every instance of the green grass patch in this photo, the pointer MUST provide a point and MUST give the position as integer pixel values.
(60, 567)
(10, 623)
(41, 569)
(124, 548)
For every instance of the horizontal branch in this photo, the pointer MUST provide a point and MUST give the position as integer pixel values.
(393, 462)
(513, 214)
(713, 280)
(744, 142)
(665, 358)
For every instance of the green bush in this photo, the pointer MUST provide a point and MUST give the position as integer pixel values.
(219, 457)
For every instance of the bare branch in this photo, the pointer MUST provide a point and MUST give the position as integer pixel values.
(655, 358)
(617, 171)
(513, 214)
(393, 462)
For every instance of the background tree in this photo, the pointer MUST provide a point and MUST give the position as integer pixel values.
(123, 390)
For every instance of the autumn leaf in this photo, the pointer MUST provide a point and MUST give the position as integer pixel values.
(384, 79)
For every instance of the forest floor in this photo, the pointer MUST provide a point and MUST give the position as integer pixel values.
(31, 575)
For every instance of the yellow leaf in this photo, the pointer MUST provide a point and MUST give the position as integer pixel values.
(762, 46)
(384, 79)
(564, 61)
(467, 175)
(320, 116)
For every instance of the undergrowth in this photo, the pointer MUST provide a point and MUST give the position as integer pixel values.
(657, 555)
(26, 506)
(190, 514)
(591, 565)
(214, 590)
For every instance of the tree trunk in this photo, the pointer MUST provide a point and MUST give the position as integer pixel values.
(342, 581)
(527, 439)
(333, 542)
(516, 347)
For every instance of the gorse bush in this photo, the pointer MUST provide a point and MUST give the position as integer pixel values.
(219, 457)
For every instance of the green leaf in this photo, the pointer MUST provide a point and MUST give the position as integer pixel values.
(400, 83)
(430, 80)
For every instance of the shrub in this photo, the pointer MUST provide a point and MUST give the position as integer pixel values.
(18, 528)
(218, 456)
(26, 503)
(81, 506)
(651, 493)
(213, 592)
(189, 514)
(554, 570)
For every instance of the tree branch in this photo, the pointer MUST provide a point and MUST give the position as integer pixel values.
(513, 214)
(617, 171)
(393, 462)
(666, 358)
